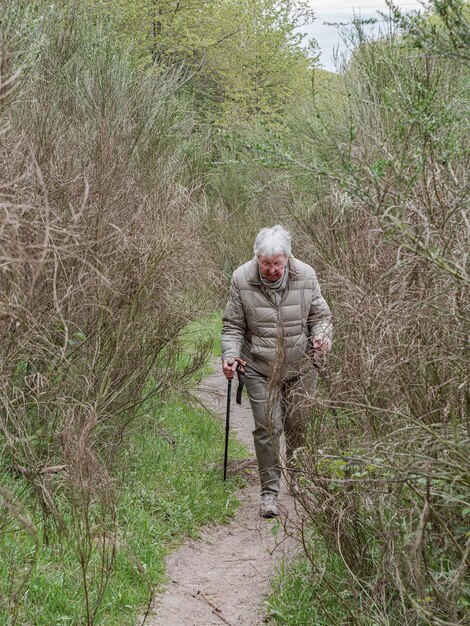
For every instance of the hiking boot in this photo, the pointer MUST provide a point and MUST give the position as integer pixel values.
(268, 505)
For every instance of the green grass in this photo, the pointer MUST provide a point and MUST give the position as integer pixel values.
(208, 328)
(292, 601)
(170, 487)
(298, 600)
(204, 331)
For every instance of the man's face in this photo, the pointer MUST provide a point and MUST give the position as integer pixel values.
(272, 267)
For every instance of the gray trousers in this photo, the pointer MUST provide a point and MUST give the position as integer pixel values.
(279, 406)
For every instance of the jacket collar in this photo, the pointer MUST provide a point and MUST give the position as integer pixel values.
(253, 273)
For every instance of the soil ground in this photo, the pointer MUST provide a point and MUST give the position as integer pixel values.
(224, 576)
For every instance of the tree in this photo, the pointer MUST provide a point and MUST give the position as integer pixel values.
(244, 58)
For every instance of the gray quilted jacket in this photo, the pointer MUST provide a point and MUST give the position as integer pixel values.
(260, 332)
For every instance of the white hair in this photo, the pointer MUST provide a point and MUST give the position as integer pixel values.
(273, 241)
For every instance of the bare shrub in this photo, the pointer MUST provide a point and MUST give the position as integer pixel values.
(100, 266)
(385, 474)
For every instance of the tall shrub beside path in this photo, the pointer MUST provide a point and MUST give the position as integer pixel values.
(97, 243)
(385, 476)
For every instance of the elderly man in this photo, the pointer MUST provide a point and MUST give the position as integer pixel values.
(274, 319)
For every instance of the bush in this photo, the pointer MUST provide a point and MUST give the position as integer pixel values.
(100, 269)
(386, 474)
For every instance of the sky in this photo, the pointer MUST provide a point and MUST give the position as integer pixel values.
(342, 11)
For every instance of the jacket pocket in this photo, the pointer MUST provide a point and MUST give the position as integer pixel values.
(262, 349)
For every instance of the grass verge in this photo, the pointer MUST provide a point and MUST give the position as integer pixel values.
(297, 598)
(205, 331)
(170, 486)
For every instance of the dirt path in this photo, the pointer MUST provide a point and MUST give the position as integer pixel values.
(224, 577)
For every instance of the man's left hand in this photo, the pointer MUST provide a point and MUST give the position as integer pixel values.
(321, 344)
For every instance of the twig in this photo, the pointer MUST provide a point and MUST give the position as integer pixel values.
(215, 609)
(31, 471)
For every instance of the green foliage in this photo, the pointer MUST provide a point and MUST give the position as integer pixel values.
(243, 59)
(444, 29)
(263, 70)
(204, 329)
(299, 599)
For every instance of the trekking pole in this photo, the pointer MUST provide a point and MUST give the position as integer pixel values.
(241, 381)
(227, 426)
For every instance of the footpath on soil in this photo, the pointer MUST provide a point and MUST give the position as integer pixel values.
(224, 576)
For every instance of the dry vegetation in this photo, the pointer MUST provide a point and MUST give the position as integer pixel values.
(386, 473)
(98, 239)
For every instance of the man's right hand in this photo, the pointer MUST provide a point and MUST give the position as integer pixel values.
(229, 368)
